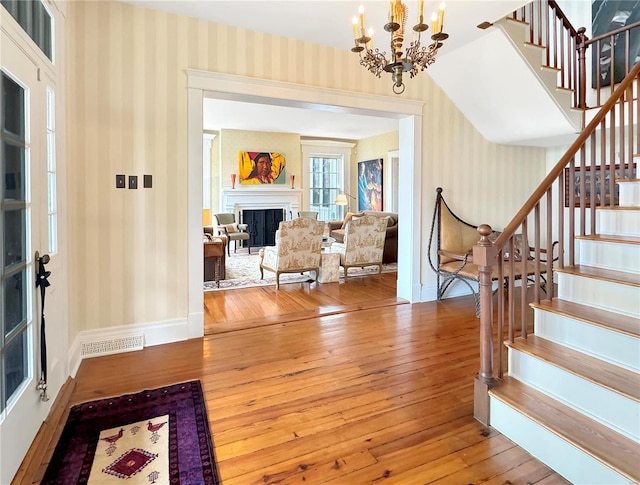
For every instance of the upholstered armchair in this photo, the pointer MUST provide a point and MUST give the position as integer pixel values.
(309, 214)
(363, 243)
(297, 248)
(225, 224)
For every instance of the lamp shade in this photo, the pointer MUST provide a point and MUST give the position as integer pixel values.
(341, 199)
(206, 217)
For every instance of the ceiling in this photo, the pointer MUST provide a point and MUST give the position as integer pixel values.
(324, 22)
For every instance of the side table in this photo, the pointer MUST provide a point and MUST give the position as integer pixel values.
(214, 259)
(329, 268)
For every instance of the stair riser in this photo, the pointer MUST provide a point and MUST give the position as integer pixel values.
(614, 347)
(602, 294)
(610, 255)
(621, 222)
(569, 461)
(630, 194)
(618, 412)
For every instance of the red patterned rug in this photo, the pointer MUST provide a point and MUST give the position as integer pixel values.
(157, 436)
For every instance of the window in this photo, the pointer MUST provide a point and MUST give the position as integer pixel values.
(14, 318)
(327, 172)
(52, 193)
(326, 182)
(35, 20)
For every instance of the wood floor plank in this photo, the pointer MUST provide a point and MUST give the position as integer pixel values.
(329, 384)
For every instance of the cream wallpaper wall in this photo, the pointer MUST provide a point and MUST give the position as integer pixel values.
(127, 114)
(233, 141)
(374, 147)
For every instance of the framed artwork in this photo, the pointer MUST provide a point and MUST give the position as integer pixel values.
(602, 175)
(257, 168)
(370, 185)
(606, 16)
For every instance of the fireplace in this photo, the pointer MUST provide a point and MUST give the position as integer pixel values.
(262, 225)
(262, 209)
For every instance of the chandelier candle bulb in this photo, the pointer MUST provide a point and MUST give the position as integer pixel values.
(361, 12)
(441, 17)
(421, 9)
(434, 23)
(355, 28)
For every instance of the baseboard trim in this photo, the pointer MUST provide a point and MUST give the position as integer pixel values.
(153, 333)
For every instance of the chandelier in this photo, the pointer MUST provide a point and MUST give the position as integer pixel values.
(415, 58)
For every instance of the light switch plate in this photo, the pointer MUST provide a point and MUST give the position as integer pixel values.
(133, 181)
(120, 183)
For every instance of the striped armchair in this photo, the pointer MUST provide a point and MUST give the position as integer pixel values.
(363, 243)
(297, 248)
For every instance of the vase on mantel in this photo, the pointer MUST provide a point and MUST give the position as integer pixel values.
(293, 181)
(233, 180)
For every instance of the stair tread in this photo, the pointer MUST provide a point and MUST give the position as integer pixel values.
(618, 451)
(595, 316)
(617, 208)
(609, 376)
(615, 238)
(621, 181)
(602, 274)
(538, 46)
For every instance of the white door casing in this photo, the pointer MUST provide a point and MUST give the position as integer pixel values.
(25, 64)
(202, 84)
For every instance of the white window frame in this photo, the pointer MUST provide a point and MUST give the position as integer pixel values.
(52, 175)
(325, 149)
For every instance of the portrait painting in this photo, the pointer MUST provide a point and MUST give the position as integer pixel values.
(370, 185)
(257, 168)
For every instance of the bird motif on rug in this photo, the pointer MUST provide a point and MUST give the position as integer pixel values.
(154, 428)
(112, 441)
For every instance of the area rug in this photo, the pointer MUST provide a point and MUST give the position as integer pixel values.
(243, 271)
(157, 436)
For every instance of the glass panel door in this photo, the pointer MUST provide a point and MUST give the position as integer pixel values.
(22, 172)
(14, 367)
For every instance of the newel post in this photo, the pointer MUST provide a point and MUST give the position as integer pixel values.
(581, 46)
(484, 255)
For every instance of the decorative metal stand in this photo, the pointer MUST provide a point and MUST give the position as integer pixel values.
(42, 282)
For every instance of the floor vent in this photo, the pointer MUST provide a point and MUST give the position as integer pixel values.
(112, 346)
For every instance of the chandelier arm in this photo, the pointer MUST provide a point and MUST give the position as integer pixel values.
(417, 57)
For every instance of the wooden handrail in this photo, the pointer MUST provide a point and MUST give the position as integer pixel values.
(565, 21)
(617, 31)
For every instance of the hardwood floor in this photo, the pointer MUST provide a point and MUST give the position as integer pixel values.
(253, 307)
(352, 393)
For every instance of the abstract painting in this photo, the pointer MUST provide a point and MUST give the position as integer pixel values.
(370, 185)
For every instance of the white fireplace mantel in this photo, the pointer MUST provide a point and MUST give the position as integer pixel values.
(239, 199)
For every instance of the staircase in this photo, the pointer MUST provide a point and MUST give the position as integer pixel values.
(572, 394)
(535, 56)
